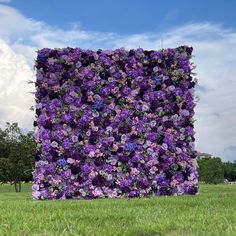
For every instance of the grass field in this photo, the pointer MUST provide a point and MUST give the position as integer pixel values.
(212, 212)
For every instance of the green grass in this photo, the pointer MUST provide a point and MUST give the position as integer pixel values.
(212, 212)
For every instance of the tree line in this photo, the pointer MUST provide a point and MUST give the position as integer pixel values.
(16, 155)
(213, 171)
(17, 160)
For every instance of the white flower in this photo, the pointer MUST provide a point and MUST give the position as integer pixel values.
(164, 146)
(181, 71)
(149, 150)
(171, 87)
(109, 177)
(88, 133)
(145, 107)
(178, 150)
(97, 96)
(91, 154)
(54, 144)
(156, 68)
(97, 192)
(35, 187)
(153, 170)
(109, 128)
(95, 128)
(184, 112)
(70, 160)
(78, 64)
(164, 118)
(95, 114)
(74, 138)
(153, 123)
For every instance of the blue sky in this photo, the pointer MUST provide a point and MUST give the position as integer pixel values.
(208, 26)
(128, 16)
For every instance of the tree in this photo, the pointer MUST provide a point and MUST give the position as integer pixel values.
(4, 148)
(19, 150)
(4, 169)
(211, 170)
(230, 171)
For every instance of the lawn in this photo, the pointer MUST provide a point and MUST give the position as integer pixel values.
(212, 212)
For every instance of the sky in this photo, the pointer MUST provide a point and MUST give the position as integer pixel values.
(208, 26)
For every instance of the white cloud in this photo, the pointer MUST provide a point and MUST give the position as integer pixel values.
(213, 45)
(14, 94)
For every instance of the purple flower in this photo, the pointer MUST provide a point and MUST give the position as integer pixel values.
(178, 91)
(126, 182)
(78, 64)
(66, 143)
(152, 136)
(180, 190)
(36, 195)
(69, 99)
(98, 104)
(156, 79)
(67, 174)
(67, 117)
(106, 90)
(42, 119)
(184, 112)
(160, 95)
(161, 177)
(35, 187)
(45, 134)
(61, 162)
(41, 59)
(168, 139)
(58, 135)
(137, 157)
(46, 147)
(89, 148)
(86, 169)
(50, 169)
(130, 147)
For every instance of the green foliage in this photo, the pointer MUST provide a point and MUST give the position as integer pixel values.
(4, 148)
(211, 170)
(230, 171)
(17, 163)
(4, 169)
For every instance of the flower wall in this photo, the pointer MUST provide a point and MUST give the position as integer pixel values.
(114, 123)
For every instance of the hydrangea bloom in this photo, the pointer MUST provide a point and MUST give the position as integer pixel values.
(61, 162)
(114, 123)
